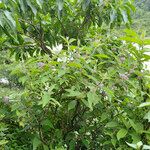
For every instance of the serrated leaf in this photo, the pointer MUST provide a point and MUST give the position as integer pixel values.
(121, 133)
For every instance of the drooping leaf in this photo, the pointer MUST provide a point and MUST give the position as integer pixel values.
(10, 18)
(34, 10)
(134, 146)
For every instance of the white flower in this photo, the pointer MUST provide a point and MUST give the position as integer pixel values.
(57, 49)
(4, 81)
(75, 132)
(87, 133)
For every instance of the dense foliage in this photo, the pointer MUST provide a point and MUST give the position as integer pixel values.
(91, 92)
(32, 26)
(141, 17)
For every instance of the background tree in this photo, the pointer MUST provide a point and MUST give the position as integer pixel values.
(38, 25)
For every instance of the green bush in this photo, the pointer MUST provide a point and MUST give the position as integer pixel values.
(93, 94)
(89, 100)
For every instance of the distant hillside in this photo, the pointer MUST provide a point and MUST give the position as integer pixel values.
(142, 16)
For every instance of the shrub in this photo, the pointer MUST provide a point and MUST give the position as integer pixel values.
(87, 102)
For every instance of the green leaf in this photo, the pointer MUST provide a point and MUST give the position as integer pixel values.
(112, 124)
(3, 142)
(135, 137)
(55, 102)
(104, 116)
(32, 7)
(72, 105)
(113, 15)
(85, 4)
(144, 104)
(47, 123)
(146, 147)
(45, 99)
(9, 17)
(1, 20)
(138, 127)
(121, 133)
(86, 143)
(72, 144)
(113, 141)
(39, 2)
(73, 93)
(22, 5)
(132, 145)
(124, 15)
(93, 99)
(147, 116)
(101, 56)
(45, 147)
(36, 143)
(23, 79)
(60, 4)
(74, 64)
